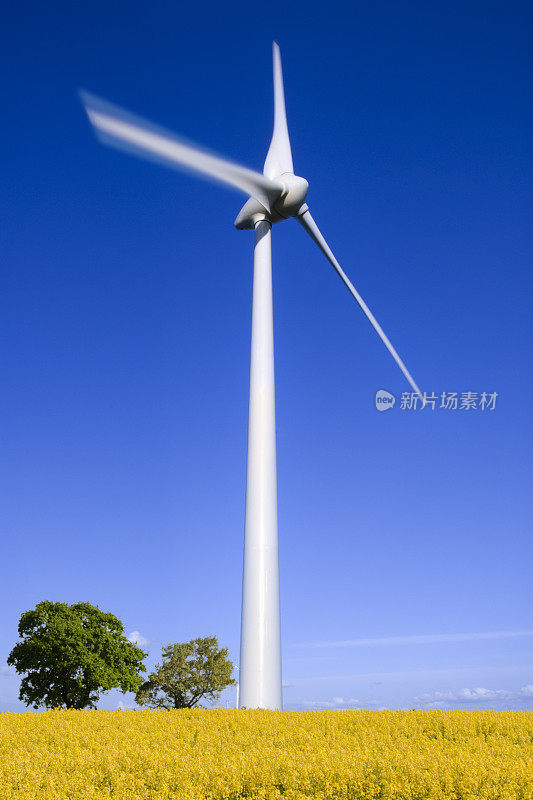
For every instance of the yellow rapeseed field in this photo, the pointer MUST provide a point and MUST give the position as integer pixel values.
(215, 754)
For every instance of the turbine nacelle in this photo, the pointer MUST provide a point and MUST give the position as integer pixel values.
(291, 203)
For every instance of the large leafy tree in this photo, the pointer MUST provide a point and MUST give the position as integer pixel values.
(68, 654)
(189, 672)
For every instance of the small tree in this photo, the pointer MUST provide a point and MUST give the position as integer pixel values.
(70, 653)
(189, 672)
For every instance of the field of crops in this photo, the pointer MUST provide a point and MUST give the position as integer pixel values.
(144, 755)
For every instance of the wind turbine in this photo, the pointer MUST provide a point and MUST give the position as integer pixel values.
(276, 195)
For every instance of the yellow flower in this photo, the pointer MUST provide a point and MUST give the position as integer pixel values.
(223, 755)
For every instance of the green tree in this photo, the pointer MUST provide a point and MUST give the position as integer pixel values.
(189, 672)
(70, 653)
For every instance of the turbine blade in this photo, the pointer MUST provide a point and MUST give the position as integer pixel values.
(119, 128)
(308, 223)
(279, 156)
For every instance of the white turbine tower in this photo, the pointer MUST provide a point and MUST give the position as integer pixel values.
(274, 196)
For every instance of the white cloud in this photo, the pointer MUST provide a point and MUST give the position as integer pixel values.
(431, 638)
(435, 704)
(473, 695)
(317, 704)
(483, 694)
(137, 638)
(335, 702)
(7, 670)
(476, 695)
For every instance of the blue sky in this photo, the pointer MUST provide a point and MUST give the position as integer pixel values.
(405, 536)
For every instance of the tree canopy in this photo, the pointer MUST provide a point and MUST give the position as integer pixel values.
(189, 672)
(68, 654)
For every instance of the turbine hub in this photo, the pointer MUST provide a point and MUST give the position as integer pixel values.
(290, 203)
(293, 196)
